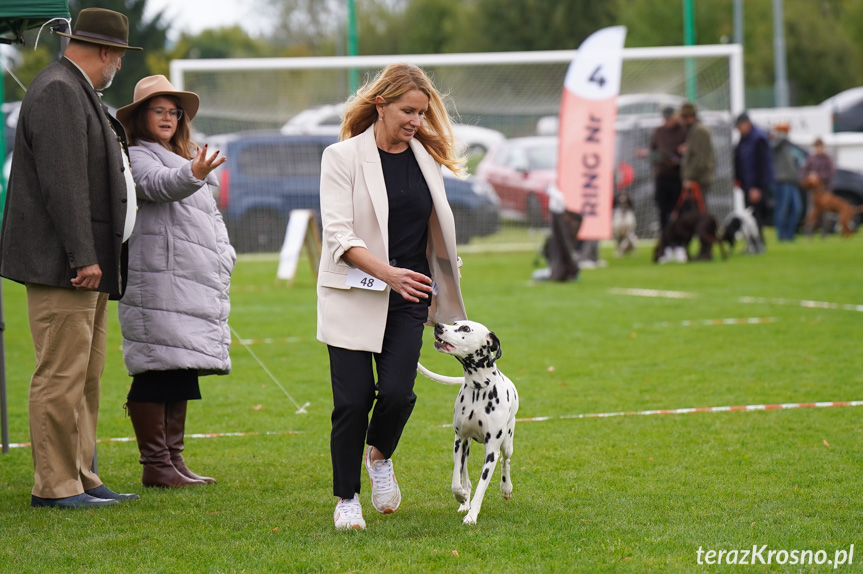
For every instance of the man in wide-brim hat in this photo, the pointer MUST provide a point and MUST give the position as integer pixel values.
(70, 207)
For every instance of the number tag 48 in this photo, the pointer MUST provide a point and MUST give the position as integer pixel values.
(361, 280)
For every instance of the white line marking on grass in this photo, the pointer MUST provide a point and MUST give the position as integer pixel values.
(803, 303)
(266, 340)
(745, 408)
(301, 410)
(710, 322)
(652, 293)
(197, 435)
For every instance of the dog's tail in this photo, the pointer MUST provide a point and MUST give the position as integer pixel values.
(440, 378)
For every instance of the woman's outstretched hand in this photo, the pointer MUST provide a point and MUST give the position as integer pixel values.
(203, 165)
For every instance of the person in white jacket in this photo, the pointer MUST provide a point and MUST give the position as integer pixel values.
(388, 266)
(174, 313)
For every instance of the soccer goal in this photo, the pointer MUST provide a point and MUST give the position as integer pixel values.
(499, 95)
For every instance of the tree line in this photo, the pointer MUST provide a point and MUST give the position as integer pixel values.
(824, 38)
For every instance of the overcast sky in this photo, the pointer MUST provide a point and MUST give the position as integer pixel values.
(196, 15)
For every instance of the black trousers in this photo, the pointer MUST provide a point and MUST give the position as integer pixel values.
(667, 190)
(355, 393)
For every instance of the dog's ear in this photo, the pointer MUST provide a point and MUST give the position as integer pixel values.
(495, 345)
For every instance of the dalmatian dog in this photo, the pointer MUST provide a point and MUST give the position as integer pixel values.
(485, 409)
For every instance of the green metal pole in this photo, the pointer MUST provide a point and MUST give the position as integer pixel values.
(4, 417)
(2, 151)
(689, 40)
(353, 74)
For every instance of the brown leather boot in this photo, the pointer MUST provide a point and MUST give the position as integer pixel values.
(148, 420)
(175, 425)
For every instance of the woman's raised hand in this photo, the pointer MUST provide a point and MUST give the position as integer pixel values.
(203, 165)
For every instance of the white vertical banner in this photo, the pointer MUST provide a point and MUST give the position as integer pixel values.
(302, 232)
(588, 110)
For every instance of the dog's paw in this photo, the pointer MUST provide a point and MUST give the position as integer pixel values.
(469, 519)
(506, 492)
(465, 507)
(461, 496)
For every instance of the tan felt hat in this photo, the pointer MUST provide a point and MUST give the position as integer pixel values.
(153, 86)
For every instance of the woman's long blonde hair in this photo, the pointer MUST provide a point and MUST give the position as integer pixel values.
(391, 83)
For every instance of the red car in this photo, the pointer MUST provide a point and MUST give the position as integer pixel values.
(520, 171)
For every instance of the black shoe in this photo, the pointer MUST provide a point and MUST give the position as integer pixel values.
(104, 492)
(77, 501)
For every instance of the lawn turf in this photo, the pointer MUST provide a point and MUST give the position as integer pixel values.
(625, 493)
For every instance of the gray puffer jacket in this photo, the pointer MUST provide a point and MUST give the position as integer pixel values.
(174, 314)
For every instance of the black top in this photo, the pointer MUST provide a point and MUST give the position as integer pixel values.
(410, 209)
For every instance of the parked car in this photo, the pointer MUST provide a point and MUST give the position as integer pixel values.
(520, 171)
(327, 119)
(847, 108)
(269, 174)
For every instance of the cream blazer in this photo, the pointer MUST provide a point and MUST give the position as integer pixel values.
(355, 213)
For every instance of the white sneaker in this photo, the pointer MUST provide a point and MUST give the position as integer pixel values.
(666, 257)
(680, 255)
(386, 495)
(349, 514)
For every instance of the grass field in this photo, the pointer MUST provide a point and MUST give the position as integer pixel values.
(626, 493)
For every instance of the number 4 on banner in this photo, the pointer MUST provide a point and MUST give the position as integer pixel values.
(302, 232)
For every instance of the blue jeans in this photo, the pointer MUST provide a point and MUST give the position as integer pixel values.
(787, 210)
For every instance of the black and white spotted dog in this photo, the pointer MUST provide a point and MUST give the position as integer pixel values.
(740, 224)
(485, 409)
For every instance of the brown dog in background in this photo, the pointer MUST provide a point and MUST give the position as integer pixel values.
(824, 201)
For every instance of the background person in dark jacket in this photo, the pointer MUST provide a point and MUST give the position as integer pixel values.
(753, 167)
(665, 155)
(70, 207)
(788, 206)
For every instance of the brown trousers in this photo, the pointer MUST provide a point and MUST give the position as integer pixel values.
(69, 331)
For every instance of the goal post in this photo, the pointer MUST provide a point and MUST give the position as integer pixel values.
(512, 93)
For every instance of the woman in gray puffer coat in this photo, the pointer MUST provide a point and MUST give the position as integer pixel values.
(174, 313)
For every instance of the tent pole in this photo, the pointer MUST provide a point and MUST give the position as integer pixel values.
(4, 417)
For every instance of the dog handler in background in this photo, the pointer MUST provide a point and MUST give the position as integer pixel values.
(821, 165)
(174, 315)
(786, 194)
(666, 144)
(753, 167)
(388, 266)
(698, 165)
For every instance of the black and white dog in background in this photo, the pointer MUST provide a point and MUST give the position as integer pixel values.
(623, 224)
(740, 224)
(485, 409)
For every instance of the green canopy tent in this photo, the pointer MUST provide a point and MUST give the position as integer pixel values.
(17, 16)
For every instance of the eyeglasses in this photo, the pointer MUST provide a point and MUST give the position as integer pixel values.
(175, 114)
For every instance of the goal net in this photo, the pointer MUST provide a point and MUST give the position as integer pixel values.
(273, 116)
